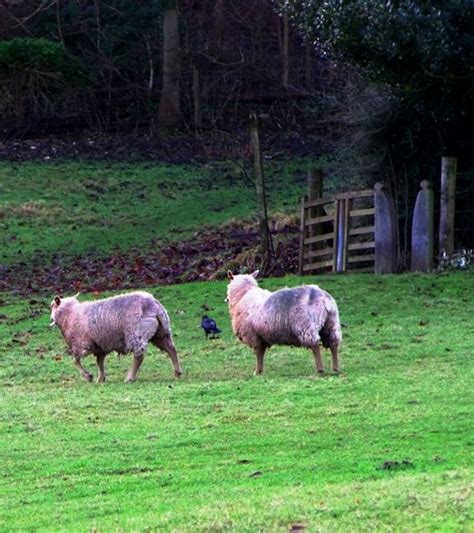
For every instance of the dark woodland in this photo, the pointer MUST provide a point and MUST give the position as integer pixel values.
(385, 90)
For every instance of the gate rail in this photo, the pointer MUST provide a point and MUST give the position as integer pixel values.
(338, 233)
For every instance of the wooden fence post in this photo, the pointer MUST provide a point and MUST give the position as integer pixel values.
(315, 191)
(341, 234)
(385, 232)
(266, 243)
(422, 230)
(302, 238)
(315, 184)
(446, 218)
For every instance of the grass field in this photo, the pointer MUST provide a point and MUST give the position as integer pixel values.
(386, 446)
(75, 207)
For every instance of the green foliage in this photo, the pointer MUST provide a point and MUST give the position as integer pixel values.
(407, 40)
(37, 58)
(423, 50)
(34, 73)
(25, 54)
(385, 446)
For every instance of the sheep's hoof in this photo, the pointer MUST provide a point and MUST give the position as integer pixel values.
(336, 371)
(89, 378)
(129, 380)
(100, 380)
(321, 372)
(178, 374)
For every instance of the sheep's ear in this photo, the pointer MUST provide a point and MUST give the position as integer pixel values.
(255, 274)
(230, 275)
(57, 300)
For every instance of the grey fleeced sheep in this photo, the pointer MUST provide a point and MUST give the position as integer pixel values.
(124, 323)
(302, 316)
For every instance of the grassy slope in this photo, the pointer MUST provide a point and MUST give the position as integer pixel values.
(75, 207)
(222, 450)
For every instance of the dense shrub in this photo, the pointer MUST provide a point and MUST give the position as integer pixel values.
(36, 76)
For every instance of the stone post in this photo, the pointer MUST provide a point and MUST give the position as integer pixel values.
(422, 231)
(385, 232)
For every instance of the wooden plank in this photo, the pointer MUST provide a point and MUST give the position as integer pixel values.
(319, 220)
(319, 238)
(362, 245)
(360, 258)
(361, 231)
(447, 205)
(319, 201)
(354, 194)
(318, 265)
(318, 253)
(366, 193)
(362, 212)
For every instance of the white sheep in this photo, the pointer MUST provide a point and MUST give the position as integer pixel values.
(302, 316)
(124, 323)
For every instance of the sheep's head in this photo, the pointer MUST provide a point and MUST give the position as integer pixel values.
(57, 305)
(239, 284)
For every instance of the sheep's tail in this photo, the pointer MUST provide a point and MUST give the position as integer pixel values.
(331, 331)
(163, 318)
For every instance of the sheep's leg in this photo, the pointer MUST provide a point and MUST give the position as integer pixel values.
(317, 358)
(166, 344)
(335, 358)
(259, 354)
(136, 363)
(86, 375)
(100, 364)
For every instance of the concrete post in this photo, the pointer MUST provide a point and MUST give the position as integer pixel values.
(386, 258)
(422, 232)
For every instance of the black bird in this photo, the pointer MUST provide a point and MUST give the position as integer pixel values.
(209, 326)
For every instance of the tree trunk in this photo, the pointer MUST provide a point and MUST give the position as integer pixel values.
(285, 54)
(219, 22)
(308, 65)
(197, 99)
(169, 112)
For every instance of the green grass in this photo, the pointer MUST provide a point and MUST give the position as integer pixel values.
(221, 450)
(76, 207)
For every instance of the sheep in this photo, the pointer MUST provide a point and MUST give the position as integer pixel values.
(301, 316)
(123, 323)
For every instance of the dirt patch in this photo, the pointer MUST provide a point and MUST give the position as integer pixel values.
(183, 148)
(208, 255)
(396, 465)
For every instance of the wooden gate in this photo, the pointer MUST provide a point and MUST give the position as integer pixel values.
(337, 233)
